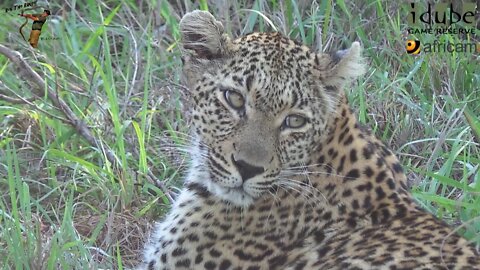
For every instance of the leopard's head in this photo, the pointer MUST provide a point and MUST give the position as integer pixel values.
(261, 104)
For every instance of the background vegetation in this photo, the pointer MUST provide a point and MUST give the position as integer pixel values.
(91, 151)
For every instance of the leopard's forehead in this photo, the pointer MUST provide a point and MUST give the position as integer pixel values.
(269, 45)
(270, 67)
(273, 53)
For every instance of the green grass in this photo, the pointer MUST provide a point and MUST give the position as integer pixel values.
(65, 203)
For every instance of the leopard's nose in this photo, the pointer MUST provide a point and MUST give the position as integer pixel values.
(246, 170)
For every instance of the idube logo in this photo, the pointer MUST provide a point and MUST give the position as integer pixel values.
(442, 15)
(441, 20)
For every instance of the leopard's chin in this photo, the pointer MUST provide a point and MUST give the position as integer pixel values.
(237, 196)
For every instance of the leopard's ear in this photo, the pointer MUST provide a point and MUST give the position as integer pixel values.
(203, 45)
(341, 67)
(202, 36)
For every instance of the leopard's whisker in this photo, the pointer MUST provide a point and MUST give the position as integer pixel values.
(306, 197)
(307, 188)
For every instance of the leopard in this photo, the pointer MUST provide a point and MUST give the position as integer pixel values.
(282, 174)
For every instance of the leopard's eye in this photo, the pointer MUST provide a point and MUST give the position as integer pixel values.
(294, 121)
(234, 99)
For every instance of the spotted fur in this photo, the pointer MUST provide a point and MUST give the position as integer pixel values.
(265, 194)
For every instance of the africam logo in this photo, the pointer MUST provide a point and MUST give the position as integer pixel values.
(441, 19)
(415, 47)
(38, 19)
